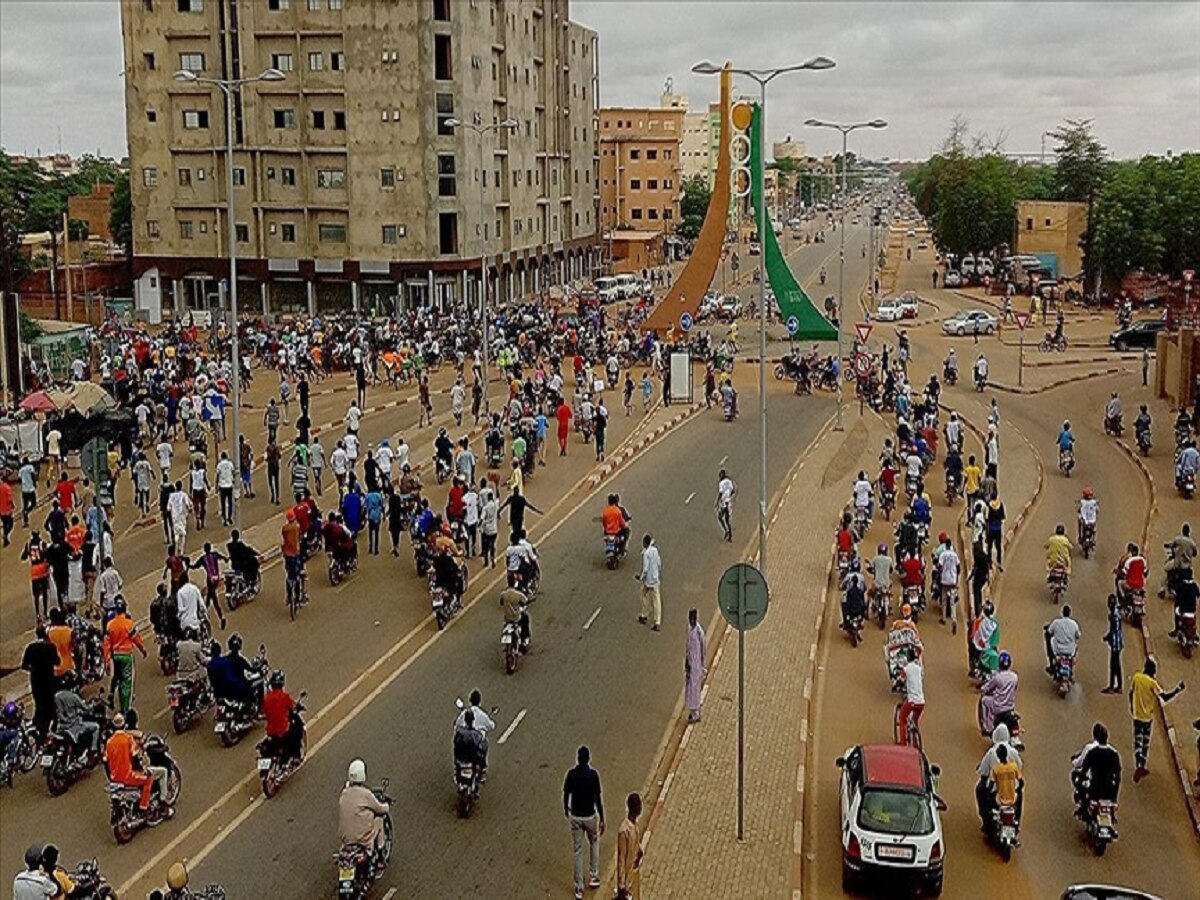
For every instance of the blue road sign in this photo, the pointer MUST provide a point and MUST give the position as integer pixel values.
(685, 321)
(793, 324)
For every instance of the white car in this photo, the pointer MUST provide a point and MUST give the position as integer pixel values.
(890, 310)
(952, 279)
(970, 321)
(890, 818)
(910, 305)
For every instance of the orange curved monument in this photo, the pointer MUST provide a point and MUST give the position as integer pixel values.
(688, 289)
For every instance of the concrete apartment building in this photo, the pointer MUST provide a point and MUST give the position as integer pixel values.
(352, 188)
(1052, 227)
(640, 168)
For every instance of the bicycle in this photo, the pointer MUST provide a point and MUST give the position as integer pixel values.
(914, 732)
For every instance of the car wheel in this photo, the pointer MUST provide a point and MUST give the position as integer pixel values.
(962, 331)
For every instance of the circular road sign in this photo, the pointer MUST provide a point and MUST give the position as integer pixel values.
(685, 321)
(793, 324)
(743, 585)
(862, 365)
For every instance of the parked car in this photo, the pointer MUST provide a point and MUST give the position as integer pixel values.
(910, 305)
(952, 278)
(1105, 892)
(984, 266)
(608, 289)
(1138, 335)
(890, 817)
(970, 321)
(967, 265)
(889, 310)
(708, 305)
(629, 285)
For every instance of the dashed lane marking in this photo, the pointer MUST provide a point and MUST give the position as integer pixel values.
(689, 498)
(513, 725)
(592, 618)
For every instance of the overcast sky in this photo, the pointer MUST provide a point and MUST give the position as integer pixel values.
(1016, 68)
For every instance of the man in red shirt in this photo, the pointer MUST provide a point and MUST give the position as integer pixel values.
(456, 506)
(64, 490)
(912, 571)
(283, 728)
(563, 414)
(6, 509)
(1131, 571)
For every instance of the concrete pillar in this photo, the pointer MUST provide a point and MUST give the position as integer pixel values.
(430, 298)
(511, 282)
(311, 287)
(177, 295)
(354, 296)
(262, 290)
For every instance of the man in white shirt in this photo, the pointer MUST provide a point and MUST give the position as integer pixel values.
(384, 456)
(471, 516)
(726, 491)
(949, 566)
(142, 411)
(954, 432)
(914, 696)
(350, 442)
(33, 883)
(1062, 638)
(401, 459)
(316, 461)
(190, 604)
(651, 577)
(225, 476)
(864, 496)
(179, 505)
(1089, 508)
(54, 451)
(353, 418)
(339, 461)
(109, 585)
(164, 452)
(483, 722)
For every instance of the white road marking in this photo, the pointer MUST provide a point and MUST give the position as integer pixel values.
(689, 498)
(592, 618)
(513, 726)
(724, 459)
(390, 894)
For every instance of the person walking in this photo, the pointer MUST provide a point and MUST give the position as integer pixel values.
(693, 666)
(726, 491)
(316, 461)
(273, 455)
(629, 851)
(564, 415)
(1145, 366)
(1144, 691)
(39, 659)
(489, 523)
(246, 465)
(995, 530)
(584, 809)
(650, 577)
(374, 512)
(180, 506)
(1115, 638)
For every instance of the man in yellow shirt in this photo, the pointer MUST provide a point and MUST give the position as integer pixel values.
(629, 851)
(1058, 549)
(972, 475)
(1145, 693)
(1006, 778)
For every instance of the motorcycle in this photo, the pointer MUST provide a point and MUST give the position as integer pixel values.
(64, 761)
(445, 603)
(1063, 673)
(89, 883)
(881, 606)
(843, 562)
(953, 488)
(1143, 441)
(1132, 605)
(914, 596)
(1057, 579)
(1003, 828)
(512, 645)
(89, 653)
(1099, 821)
(1066, 462)
(1185, 634)
(980, 382)
(1009, 718)
(189, 700)
(239, 591)
(862, 521)
(949, 375)
(467, 779)
(443, 468)
(910, 486)
(1051, 341)
(887, 502)
(168, 653)
(495, 456)
(1185, 483)
(236, 718)
(339, 568)
(1114, 425)
(273, 770)
(526, 581)
(22, 754)
(853, 626)
(125, 815)
(358, 866)
(1087, 538)
(614, 550)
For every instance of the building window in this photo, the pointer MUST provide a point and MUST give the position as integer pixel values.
(148, 6)
(635, 184)
(276, 5)
(190, 62)
(668, 213)
(339, 120)
(652, 212)
(203, 227)
(667, 184)
(185, 177)
(337, 59)
(200, 176)
(149, 176)
(446, 179)
(316, 62)
(1029, 224)
(448, 232)
(151, 228)
(287, 177)
(445, 112)
(287, 233)
(151, 116)
(441, 10)
(285, 118)
(314, 5)
(388, 234)
(281, 61)
(387, 177)
(1047, 223)
(195, 118)
(331, 178)
(189, 5)
(635, 213)
(635, 154)
(443, 68)
(185, 230)
(331, 234)
(270, 173)
(651, 154)
(148, 59)
(318, 118)
(652, 184)
(239, 176)
(666, 154)
(242, 232)
(335, 4)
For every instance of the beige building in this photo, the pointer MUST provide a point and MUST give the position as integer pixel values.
(353, 187)
(789, 149)
(640, 168)
(1053, 226)
(695, 157)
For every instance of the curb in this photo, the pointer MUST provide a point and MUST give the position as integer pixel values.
(1079, 361)
(1009, 389)
(1189, 797)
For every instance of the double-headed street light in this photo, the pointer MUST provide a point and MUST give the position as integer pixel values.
(228, 86)
(763, 77)
(511, 125)
(845, 128)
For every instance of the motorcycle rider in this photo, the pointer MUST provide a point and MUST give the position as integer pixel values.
(284, 730)
(1005, 781)
(1089, 507)
(981, 369)
(1066, 441)
(864, 495)
(243, 558)
(1062, 638)
(615, 522)
(998, 693)
(339, 542)
(1188, 462)
(33, 883)
(192, 661)
(854, 595)
(360, 814)
(1181, 550)
(520, 559)
(954, 432)
(1186, 593)
(983, 794)
(483, 721)
(71, 716)
(444, 449)
(470, 744)
(1112, 413)
(1058, 550)
(1131, 572)
(410, 485)
(1096, 771)
(121, 755)
(231, 676)
(950, 366)
(881, 570)
(1141, 425)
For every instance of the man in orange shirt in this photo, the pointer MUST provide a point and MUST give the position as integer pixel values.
(76, 535)
(615, 522)
(39, 574)
(63, 638)
(120, 637)
(120, 754)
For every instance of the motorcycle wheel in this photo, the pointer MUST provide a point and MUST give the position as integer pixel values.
(1064, 688)
(123, 831)
(231, 600)
(180, 720)
(1087, 549)
(855, 636)
(441, 618)
(1187, 649)
(1099, 845)
(1006, 852)
(464, 804)
(270, 781)
(57, 781)
(230, 737)
(174, 784)
(510, 659)
(27, 755)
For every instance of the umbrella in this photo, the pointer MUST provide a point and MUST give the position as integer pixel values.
(89, 398)
(39, 401)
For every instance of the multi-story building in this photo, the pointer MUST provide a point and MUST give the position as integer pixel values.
(357, 183)
(640, 168)
(789, 149)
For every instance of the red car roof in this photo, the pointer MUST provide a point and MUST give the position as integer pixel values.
(894, 765)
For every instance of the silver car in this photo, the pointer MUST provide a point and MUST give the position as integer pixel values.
(970, 321)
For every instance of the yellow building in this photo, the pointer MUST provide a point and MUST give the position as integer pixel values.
(640, 167)
(1053, 226)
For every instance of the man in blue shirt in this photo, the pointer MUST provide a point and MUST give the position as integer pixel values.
(28, 479)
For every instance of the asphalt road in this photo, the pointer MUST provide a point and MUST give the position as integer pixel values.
(1157, 849)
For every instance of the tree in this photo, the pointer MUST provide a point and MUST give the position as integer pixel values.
(693, 206)
(1080, 173)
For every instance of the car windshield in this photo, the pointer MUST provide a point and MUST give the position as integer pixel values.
(894, 812)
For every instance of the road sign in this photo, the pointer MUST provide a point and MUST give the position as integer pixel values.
(793, 324)
(1022, 319)
(94, 460)
(685, 322)
(862, 364)
(863, 330)
(743, 589)
(1188, 275)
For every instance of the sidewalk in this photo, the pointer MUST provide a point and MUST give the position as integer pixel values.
(691, 849)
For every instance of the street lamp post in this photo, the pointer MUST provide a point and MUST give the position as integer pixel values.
(763, 77)
(227, 87)
(480, 130)
(845, 129)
